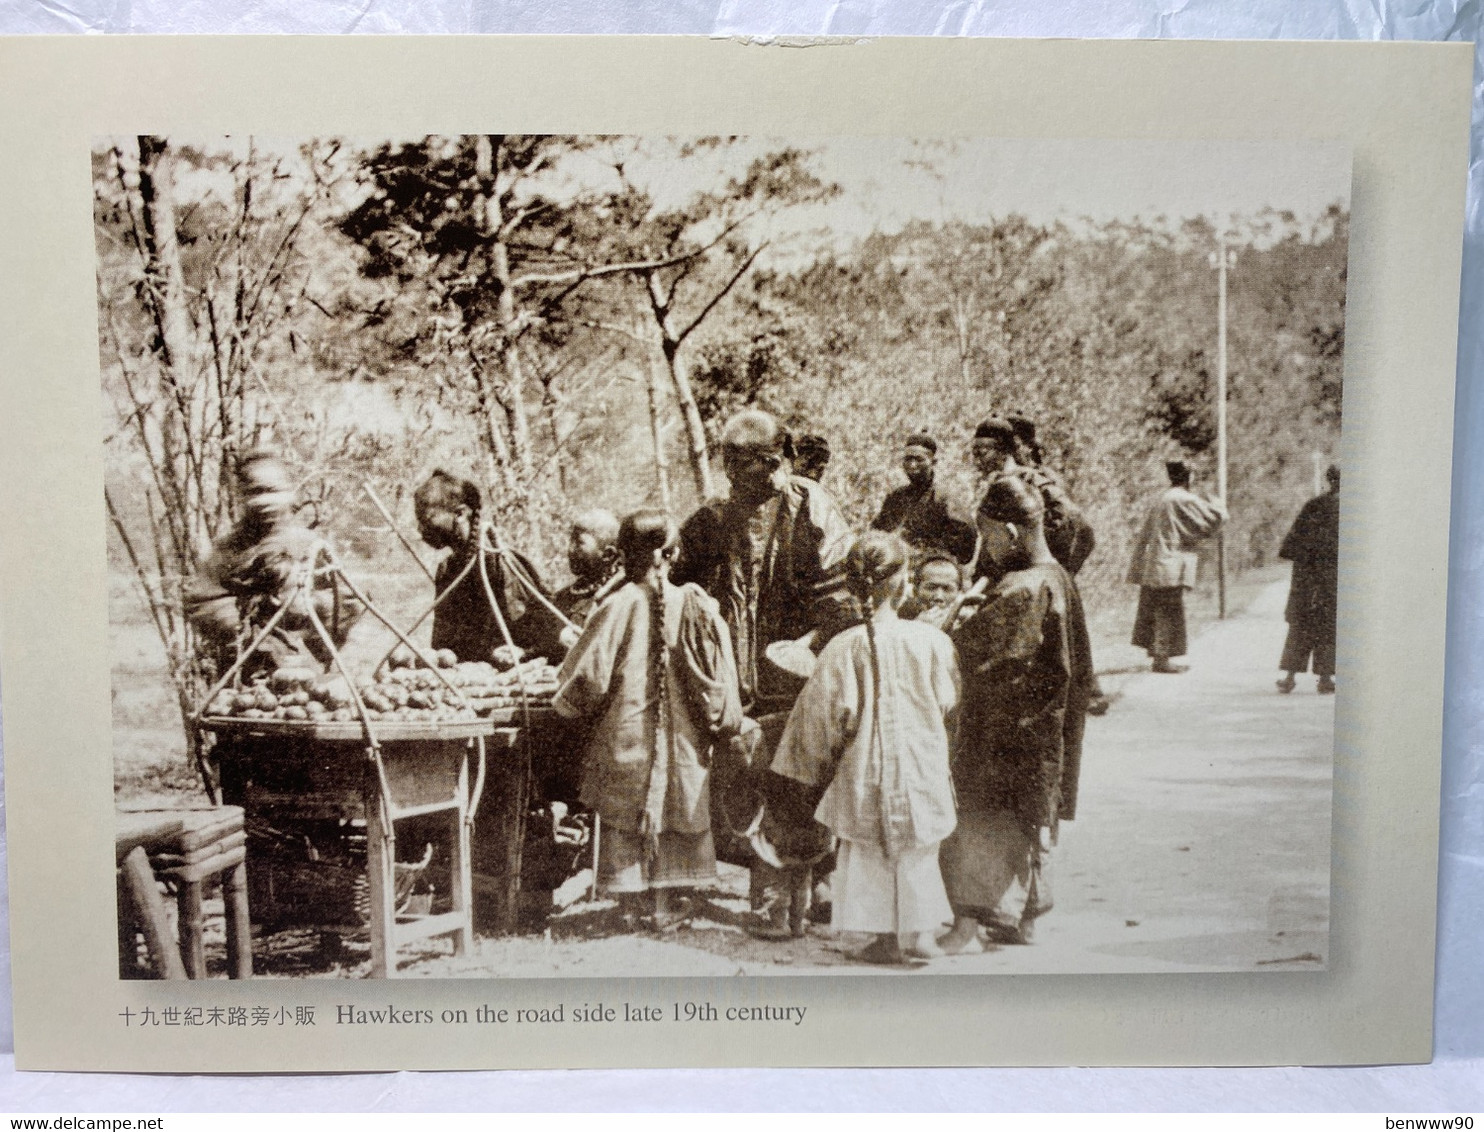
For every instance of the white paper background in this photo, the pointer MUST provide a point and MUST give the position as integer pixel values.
(1455, 1082)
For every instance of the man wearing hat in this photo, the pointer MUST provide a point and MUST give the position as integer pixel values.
(1164, 564)
(997, 451)
(917, 512)
(811, 456)
(252, 571)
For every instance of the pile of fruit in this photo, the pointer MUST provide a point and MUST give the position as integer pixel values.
(404, 689)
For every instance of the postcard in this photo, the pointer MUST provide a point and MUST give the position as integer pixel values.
(847, 565)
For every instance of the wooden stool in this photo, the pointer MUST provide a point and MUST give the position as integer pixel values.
(187, 848)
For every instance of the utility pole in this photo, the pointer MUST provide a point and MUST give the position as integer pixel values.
(1221, 259)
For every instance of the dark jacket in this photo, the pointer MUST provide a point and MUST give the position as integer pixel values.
(776, 571)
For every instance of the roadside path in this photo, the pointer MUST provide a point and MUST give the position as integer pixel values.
(1202, 843)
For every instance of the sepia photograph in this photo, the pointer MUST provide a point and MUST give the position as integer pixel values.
(620, 556)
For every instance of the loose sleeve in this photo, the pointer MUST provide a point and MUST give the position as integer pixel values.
(1008, 628)
(586, 675)
(1199, 518)
(708, 667)
(823, 721)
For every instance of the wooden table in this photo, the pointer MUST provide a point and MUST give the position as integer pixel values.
(285, 773)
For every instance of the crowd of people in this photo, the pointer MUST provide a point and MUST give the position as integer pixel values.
(884, 727)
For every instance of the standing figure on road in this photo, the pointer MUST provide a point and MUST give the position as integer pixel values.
(1018, 753)
(1164, 564)
(1313, 546)
(772, 555)
(917, 512)
(653, 670)
(871, 731)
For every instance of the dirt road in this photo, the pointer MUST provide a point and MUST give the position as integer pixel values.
(1202, 843)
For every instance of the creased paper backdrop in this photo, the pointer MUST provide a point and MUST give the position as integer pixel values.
(1455, 1081)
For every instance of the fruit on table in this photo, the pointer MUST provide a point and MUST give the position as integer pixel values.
(406, 690)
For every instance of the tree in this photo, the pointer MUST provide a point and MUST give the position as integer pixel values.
(483, 243)
(698, 252)
(199, 293)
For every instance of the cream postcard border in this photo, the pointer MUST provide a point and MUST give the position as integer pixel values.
(1402, 107)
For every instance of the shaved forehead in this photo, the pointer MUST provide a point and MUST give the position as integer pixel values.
(601, 524)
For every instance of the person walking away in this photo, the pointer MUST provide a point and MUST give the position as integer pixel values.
(654, 671)
(917, 512)
(1313, 546)
(1018, 749)
(592, 556)
(449, 514)
(871, 729)
(250, 573)
(1164, 564)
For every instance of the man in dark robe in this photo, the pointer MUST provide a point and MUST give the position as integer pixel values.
(811, 456)
(1026, 674)
(253, 571)
(1164, 564)
(917, 512)
(592, 556)
(1313, 546)
(449, 518)
(772, 554)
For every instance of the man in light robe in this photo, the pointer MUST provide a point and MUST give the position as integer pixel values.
(869, 735)
(653, 672)
(1165, 562)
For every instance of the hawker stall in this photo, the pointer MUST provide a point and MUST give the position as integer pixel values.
(360, 792)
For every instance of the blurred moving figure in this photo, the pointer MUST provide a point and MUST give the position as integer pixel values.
(252, 571)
